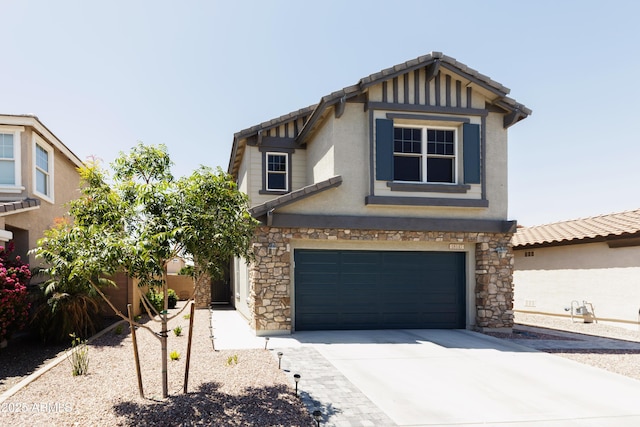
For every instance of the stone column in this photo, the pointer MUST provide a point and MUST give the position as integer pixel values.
(494, 283)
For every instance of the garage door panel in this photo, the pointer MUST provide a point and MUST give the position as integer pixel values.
(377, 290)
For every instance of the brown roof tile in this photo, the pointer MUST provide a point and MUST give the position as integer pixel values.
(615, 224)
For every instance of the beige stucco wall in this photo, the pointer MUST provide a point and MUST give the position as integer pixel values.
(66, 188)
(250, 174)
(609, 278)
(350, 159)
(241, 286)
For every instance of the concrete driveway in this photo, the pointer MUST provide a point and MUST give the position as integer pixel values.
(449, 378)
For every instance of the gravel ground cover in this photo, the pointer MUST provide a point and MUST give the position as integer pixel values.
(623, 362)
(221, 392)
(225, 388)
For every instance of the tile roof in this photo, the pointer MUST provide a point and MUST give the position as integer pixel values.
(15, 206)
(615, 224)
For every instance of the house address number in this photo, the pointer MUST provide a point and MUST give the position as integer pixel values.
(456, 246)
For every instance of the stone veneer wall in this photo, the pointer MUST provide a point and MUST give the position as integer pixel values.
(270, 273)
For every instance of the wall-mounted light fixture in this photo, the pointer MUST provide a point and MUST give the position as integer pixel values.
(272, 248)
(502, 251)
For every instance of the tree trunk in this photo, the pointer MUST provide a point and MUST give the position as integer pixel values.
(164, 334)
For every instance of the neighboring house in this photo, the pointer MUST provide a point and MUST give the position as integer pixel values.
(383, 206)
(38, 177)
(175, 265)
(594, 260)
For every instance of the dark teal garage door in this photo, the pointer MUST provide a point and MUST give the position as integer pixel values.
(379, 290)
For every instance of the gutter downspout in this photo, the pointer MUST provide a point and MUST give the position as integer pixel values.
(270, 217)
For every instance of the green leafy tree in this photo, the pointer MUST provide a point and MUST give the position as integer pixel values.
(144, 218)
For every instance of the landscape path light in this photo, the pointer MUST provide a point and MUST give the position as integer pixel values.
(296, 378)
(317, 415)
(279, 360)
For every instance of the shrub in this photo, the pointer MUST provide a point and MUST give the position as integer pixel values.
(74, 311)
(79, 356)
(173, 298)
(174, 355)
(177, 330)
(118, 330)
(157, 301)
(14, 298)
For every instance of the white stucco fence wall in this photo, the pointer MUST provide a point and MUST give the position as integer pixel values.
(608, 278)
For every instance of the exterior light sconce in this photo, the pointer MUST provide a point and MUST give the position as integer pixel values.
(279, 360)
(296, 378)
(502, 251)
(317, 415)
(272, 248)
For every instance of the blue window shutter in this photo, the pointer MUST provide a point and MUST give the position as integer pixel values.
(471, 153)
(384, 150)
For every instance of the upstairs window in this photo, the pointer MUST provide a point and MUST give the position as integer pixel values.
(42, 169)
(7, 160)
(427, 154)
(277, 172)
(422, 154)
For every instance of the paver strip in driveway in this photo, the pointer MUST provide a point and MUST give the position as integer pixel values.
(461, 378)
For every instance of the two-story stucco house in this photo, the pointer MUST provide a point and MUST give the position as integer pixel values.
(38, 177)
(382, 206)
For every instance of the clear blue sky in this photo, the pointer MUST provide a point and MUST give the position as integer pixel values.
(189, 74)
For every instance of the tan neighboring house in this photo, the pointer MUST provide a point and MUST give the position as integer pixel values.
(382, 206)
(38, 176)
(591, 260)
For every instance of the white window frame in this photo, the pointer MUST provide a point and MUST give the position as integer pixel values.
(286, 171)
(37, 141)
(17, 187)
(424, 155)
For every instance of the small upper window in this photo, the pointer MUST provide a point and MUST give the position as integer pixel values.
(277, 172)
(7, 160)
(423, 154)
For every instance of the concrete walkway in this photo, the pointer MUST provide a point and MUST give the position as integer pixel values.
(442, 378)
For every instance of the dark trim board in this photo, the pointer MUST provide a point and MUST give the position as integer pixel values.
(392, 223)
(425, 201)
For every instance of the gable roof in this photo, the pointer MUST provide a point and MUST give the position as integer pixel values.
(312, 114)
(35, 123)
(577, 231)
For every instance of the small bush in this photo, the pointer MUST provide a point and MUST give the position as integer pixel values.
(79, 356)
(232, 360)
(118, 330)
(156, 300)
(173, 298)
(174, 355)
(177, 330)
(186, 316)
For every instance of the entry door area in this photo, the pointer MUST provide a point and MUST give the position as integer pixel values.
(340, 289)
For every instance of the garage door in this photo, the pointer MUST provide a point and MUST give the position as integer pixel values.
(379, 290)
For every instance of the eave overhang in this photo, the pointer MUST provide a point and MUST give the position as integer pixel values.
(434, 61)
(263, 210)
